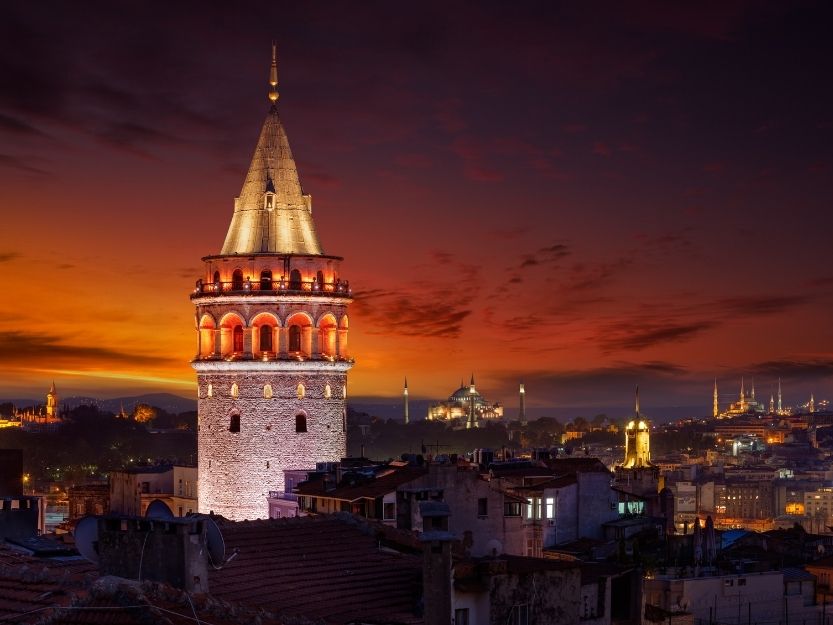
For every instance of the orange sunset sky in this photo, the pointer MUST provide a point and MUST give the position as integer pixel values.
(584, 199)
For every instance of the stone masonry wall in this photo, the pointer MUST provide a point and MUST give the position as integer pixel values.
(238, 469)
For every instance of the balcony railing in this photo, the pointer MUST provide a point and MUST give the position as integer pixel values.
(339, 288)
(279, 494)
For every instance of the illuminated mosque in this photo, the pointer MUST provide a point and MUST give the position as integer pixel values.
(271, 322)
(746, 403)
(465, 404)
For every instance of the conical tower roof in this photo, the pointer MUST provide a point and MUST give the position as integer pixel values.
(272, 215)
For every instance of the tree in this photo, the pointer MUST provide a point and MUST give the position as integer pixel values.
(143, 413)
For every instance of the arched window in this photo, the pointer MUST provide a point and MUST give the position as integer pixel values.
(295, 338)
(235, 390)
(300, 422)
(328, 392)
(210, 391)
(295, 280)
(266, 280)
(234, 423)
(267, 391)
(237, 280)
(266, 338)
(300, 391)
(320, 279)
(238, 339)
(216, 277)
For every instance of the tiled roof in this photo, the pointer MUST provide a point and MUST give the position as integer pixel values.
(69, 592)
(324, 567)
(376, 487)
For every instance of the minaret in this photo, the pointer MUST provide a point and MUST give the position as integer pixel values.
(272, 358)
(780, 407)
(771, 404)
(522, 400)
(812, 405)
(752, 397)
(742, 395)
(472, 422)
(405, 400)
(715, 405)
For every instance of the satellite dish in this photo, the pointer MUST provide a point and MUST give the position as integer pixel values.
(86, 538)
(158, 509)
(214, 543)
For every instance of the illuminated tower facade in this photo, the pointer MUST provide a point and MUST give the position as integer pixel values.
(272, 358)
(637, 441)
(52, 403)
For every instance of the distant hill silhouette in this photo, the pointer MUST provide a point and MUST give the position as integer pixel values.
(168, 402)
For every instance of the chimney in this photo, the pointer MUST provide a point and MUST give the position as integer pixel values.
(436, 566)
(172, 551)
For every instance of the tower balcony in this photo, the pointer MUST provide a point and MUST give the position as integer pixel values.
(313, 288)
(273, 357)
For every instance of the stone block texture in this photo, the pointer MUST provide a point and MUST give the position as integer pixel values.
(237, 469)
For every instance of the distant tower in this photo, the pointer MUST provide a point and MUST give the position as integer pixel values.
(405, 399)
(52, 402)
(272, 359)
(637, 440)
(522, 400)
(771, 404)
(715, 405)
(780, 407)
(812, 405)
(752, 397)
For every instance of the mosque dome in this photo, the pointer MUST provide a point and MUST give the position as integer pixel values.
(464, 394)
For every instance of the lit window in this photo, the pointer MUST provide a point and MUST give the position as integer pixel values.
(550, 507)
(235, 391)
(300, 391)
(328, 392)
(210, 391)
(267, 391)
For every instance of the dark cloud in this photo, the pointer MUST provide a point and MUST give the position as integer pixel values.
(812, 367)
(410, 313)
(545, 256)
(759, 305)
(637, 337)
(16, 126)
(22, 349)
(6, 257)
(13, 162)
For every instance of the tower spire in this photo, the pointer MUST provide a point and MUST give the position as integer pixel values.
(273, 75)
(753, 390)
(637, 401)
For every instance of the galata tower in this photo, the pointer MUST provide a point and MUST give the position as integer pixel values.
(272, 358)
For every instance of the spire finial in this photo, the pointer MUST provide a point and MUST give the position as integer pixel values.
(273, 75)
